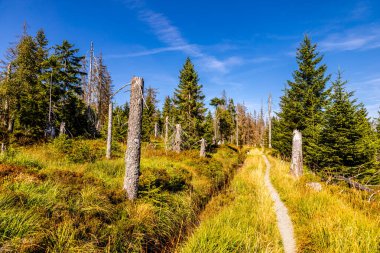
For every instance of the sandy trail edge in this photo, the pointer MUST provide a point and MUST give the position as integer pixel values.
(283, 220)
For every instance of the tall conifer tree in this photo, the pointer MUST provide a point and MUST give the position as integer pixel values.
(347, 141)
(303, 102)
(189, 103)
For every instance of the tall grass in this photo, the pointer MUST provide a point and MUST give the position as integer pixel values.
(241, 219)
(54, 200)
(330, 220)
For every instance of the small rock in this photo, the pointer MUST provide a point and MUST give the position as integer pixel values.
(315, 186)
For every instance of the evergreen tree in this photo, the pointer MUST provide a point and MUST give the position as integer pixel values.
(208, 129)
(150, 114)
(167, 109)
(189, 103)
(120, 123)
(67, 86)
(347, 142)
(377, 127)
(29, 109)
(303, 102)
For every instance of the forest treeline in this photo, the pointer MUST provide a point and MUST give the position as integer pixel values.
(338, 136)
(50, 90)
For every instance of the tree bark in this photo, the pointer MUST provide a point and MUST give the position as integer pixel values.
(202, 152)
(155, 130)
(296, 167)
(270, 121)
(109, 130)
(237, 131)
(166, 133)
(133, 152)
(355, 184)
(178, 138)
(62, 128)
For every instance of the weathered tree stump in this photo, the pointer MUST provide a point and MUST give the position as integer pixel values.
(202, 152)
(155, 130)
(178, 138)
(296, 166)
(167, 133)
(237, 130)
(133, 152)
(62, 128)
(109, 131)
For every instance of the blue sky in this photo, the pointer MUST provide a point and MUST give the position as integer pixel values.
(244, 47)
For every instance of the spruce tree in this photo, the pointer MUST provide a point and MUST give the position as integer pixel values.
(150, 114)
(347, 141)
(303, 102)
(167, 109)
(67, 73)
(208, 129)
(189, 103)
(120, 123)
(30, 108)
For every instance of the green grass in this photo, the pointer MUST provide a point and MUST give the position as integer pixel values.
(241, 219)
(65, 197)
(337, 219)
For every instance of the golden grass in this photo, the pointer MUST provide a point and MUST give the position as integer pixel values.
(241, 219)
(334, 220)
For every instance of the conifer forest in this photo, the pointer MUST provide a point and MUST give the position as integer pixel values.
(90, 164)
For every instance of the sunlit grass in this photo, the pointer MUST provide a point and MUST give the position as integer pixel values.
(54, 200)
(241, 219)
(336, 219)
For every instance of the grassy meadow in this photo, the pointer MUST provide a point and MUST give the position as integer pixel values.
(65, 197)
(241, 219)
(336, 219)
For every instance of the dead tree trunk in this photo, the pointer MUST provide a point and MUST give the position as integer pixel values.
(3, 147)
(237, 131)
(355, 184)
(10, 124)
(216, 128)
(296, 166)
(270, 121)
(109, 130)
(132, 155)
(155, 130)
(202, 152)
(62, 128)
(167, 133)
(178, 138)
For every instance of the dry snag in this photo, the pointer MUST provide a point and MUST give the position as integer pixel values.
(133, 153)
(167, 133)
(296, 166)
(202, 152)
(178, 138)
(109, 131)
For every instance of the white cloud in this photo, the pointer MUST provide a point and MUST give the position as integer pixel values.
(146, 52)
(170, 35)
(359, 38)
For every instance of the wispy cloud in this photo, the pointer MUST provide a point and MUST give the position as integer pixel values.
(359, 38)
(361, 10)
(146, 52)
(369, 91)
(171, 36)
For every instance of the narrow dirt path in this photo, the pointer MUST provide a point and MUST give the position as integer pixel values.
(283, 220)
